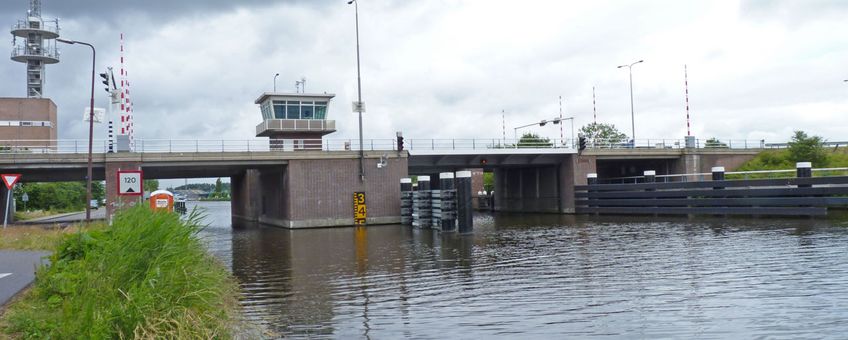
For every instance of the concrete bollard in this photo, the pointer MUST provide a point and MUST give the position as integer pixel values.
(464, 209)
(448, 202)
(718, 175)
(804, 170)
(592, 179)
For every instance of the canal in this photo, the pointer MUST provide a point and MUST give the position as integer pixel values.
(543, 276)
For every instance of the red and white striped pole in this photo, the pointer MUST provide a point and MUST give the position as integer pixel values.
(594, 107)
(686, 90)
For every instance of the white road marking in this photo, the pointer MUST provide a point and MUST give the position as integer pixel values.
(2, 275)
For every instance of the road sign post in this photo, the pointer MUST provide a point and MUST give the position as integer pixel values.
(9, 180)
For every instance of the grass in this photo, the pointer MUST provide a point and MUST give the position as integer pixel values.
(147, 277)
(37, 237)
(779, 160)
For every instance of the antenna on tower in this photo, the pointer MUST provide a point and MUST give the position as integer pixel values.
(300, 85)
(686, 90)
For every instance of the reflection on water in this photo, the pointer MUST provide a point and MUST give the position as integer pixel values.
(544, 276)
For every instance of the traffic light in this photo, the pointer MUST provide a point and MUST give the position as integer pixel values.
(582, 143)
(105, 77)
(399, 141)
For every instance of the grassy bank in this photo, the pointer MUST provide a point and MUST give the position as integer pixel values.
(147, 276)
(37, 237)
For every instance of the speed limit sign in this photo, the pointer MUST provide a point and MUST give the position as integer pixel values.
(130, 182)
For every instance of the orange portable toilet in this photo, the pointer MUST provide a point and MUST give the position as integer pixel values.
(162, 200)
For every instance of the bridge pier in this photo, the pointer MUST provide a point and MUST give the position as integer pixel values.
(308, 193)
(114, 202)
(246, 196)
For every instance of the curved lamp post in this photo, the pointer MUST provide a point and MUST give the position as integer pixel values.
(90, 127)
(275, 82)
(632, 115)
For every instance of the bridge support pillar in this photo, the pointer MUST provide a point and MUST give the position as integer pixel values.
(114, 202)
(567, 173)
(246, 196)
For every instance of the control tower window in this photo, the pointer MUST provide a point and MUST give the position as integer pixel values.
(320, 110)
(293, 110)
(279, 111)
(306, 110)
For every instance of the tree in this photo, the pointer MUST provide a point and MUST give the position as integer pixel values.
(151, 185)
(532, 140)
(804, 148)
(57, 196)
(219, 186)
(600, 133)
(714, 143)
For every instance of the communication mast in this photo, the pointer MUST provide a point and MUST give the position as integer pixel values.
(36, 48)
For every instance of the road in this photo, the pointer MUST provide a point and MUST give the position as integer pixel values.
(17, 271)
(97, 214)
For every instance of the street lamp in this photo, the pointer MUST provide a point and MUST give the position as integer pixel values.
(360, 107)
(90, 126)
(543, 122)
(275, 82)
(632, 116)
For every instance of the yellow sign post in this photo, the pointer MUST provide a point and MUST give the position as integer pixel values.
(360, 211)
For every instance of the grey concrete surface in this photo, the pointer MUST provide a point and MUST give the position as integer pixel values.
(17, 271)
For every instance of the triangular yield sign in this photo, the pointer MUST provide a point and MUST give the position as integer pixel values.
(10, 179)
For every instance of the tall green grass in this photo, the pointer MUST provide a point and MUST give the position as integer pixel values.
(147, 276)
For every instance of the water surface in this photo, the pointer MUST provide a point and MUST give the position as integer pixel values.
(544, 276)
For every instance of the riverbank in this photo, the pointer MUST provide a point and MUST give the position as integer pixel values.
(146, 276)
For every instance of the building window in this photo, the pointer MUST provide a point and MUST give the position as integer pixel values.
(320, 110)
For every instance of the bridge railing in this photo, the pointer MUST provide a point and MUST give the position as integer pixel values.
(265, 145)
(79, 146)
(660, 143)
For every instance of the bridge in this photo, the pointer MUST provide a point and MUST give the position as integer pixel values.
(311, 185)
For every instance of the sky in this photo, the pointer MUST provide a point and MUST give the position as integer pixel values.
(757, 69)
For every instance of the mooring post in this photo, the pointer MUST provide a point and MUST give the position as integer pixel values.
(406, 201)
(423, 204)
(448, 202)
(718, 175)
(464, 210)
(804, 170)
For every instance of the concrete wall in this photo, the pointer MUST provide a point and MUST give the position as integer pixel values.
(31, 110)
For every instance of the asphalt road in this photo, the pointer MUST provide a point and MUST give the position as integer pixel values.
(17, 271)
(96, 214)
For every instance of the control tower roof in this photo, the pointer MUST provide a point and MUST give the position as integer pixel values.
(293, 96)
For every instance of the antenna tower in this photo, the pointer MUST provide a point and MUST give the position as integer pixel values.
(37, 48)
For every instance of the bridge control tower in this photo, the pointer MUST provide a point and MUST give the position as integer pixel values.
(36, 47)
(295, 121)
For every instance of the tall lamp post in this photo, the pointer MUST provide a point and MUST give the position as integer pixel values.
(360, 106)
(632, 115)
(90, 127)
(275, 82)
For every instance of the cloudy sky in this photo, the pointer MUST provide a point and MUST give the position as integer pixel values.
(446, 68)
